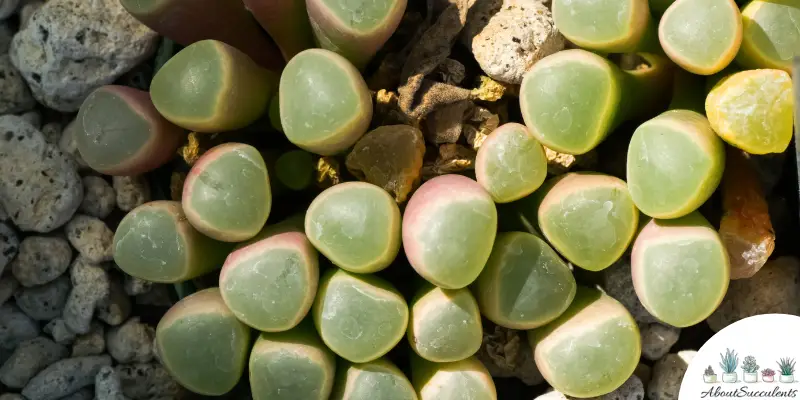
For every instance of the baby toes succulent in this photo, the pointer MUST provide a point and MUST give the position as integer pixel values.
(226, 195)
(606, 26)
(680, 269)
(378, 379)
(465, 379)
(769, 34)
(202, 344)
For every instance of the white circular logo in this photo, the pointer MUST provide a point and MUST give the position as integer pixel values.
(755, 358)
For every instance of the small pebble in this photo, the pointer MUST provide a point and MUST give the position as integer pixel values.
(28, 359)
(91, 237)
(506, 353)
(135, 286)
(618, 283)
(107, 385)
(9, 245)
(85, 394)
(34, 118)
(99, 198)
(8, 8)
(115, 308)
(41, 260)
(132, 191)
(657, 339)
(644, 372)
(69, 146)
(8, 287)
(147, 381)
(65, 377)
(15, 328)
(11, 396)
(44, 302)
(58, 330)
(15, 97)
(90, 344)
(90, 286)
(5, 37)
(52, 132)
(131, 342)
(39, 186)
(158, 295)
(774, 289)
(27, 10)
(668, 374)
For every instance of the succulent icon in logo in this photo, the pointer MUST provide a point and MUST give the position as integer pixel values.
(768, 375)
(729, 362)
(750, 368)
(709, 376)
(786, 366)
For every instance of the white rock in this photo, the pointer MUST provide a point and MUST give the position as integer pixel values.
(91, 237)
(26, 12)
(68, 145)
(15, 97)
(41, 259)
(70, 47)
(506, 43)
(132, 191)
(39, 185)
(131, 342)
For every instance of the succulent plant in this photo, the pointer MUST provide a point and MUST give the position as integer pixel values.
(190, 21)
(356, 30)
(202, 344)
(767, 372)
(729, 362)
(229, 91)
(589, 218)
(359, 317)
(702, 36)
(325, 105)
(444, 324)
(377, 379)
(155, 242)
(786, 365)
(709, 371)
(449, 226)
(591, 349)
(587, 96)
(356, 225)
(511, 163)
(287, 23)
(680, 269)
(606, 26)
(291, 365)
(753, 110)
(120, 132)
(525, 283)
(749, 365)
(465, 379)
(226, 195)
(770, 38)
(270, 284)
(675, 163)
(295, 169)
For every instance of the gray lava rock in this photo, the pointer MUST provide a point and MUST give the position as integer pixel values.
(65, 377)
(90, 286)
(131, 342)
(90, 344)
(668, 374)
(44, 302)
(135, 286)
(618, 283)
(99, 198)
(116, 307)
(158, 295)
(6, 34)
(775, 289)
(15, 328)
(11, 396)
(506, 353)
(91, 237)
(69, 146)
(8, 287)
(29, 359)
(83, 394)
(657, 339)
(70, 47)
(15, 97)
(9, 245)
(8, 8)
(58, 330)
(52, 132)
(514, 38)
(39, 185)
(132, 191)
(41, 260)
(147, 381)
(107, 385)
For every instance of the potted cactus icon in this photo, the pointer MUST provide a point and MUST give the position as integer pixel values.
(767, 375)
(750, 369)
(786, 366)
(709, 376)
(729, 362)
